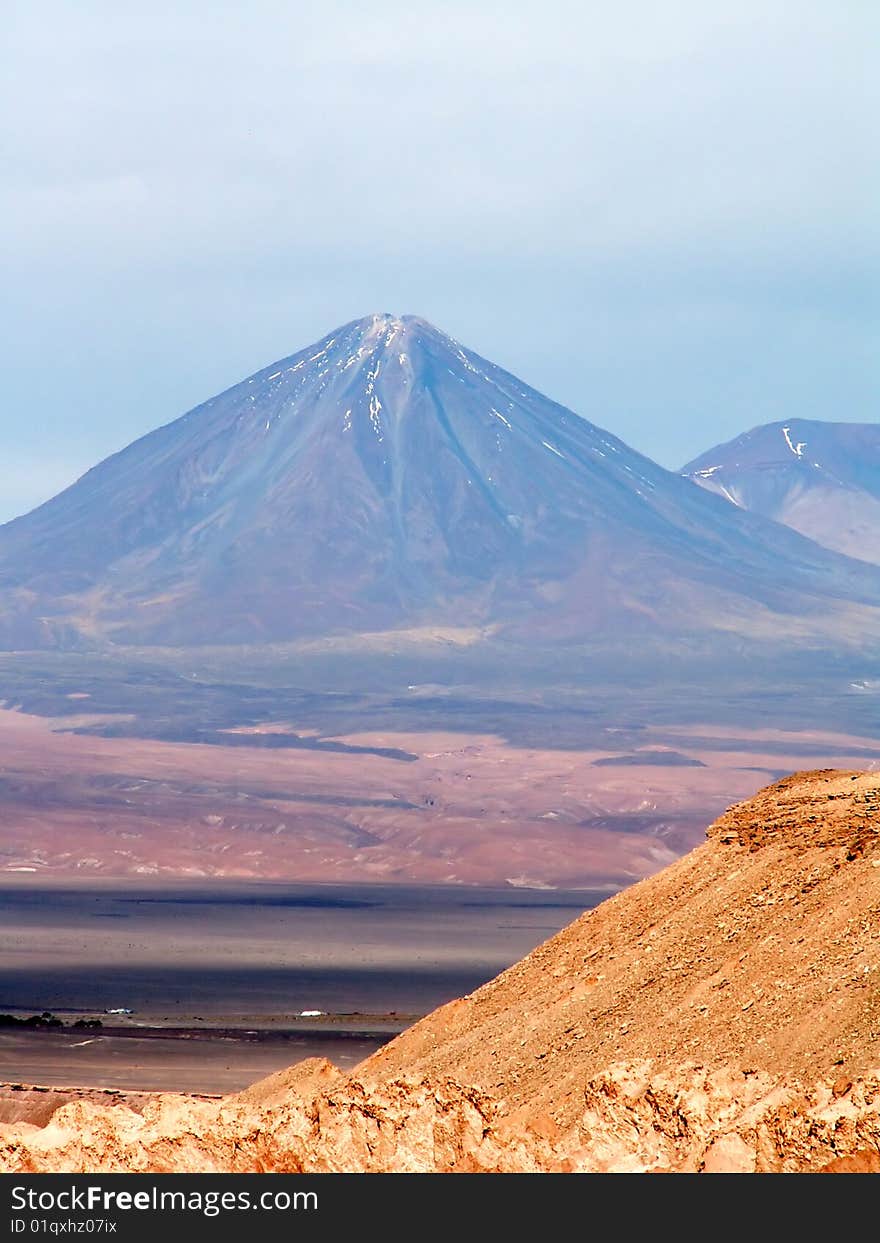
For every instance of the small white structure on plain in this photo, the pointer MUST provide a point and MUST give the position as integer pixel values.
(310, 1014)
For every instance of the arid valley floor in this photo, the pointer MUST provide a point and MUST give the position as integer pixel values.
(415, 807)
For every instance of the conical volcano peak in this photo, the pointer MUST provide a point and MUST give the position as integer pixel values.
(381, 330)
(364, 340)
(374, 372)
(380, 320)
(379, 326)
(388, 476)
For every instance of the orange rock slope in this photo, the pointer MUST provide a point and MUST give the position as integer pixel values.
(724, 1014)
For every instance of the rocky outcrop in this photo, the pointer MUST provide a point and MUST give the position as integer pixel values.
(632, 1118)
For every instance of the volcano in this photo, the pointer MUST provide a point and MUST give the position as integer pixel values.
(822, 479)
(389, 477)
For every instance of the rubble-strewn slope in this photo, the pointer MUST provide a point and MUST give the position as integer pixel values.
(759, 949)
(724, 1014)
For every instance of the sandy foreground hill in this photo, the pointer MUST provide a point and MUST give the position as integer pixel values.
(722, 1015)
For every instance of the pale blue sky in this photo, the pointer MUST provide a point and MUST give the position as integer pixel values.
(663, 214)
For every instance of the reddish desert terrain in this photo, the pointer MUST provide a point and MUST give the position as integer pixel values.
(468, 809)
(722, 1015)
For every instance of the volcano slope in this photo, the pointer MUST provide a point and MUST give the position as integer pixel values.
(722, 1015)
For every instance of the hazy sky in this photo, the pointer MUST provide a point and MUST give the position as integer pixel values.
(663, 213)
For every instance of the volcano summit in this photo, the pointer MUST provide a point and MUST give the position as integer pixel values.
(385, 477)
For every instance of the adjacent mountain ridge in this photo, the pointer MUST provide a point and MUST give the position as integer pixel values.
(822, 479)
(388, 476)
